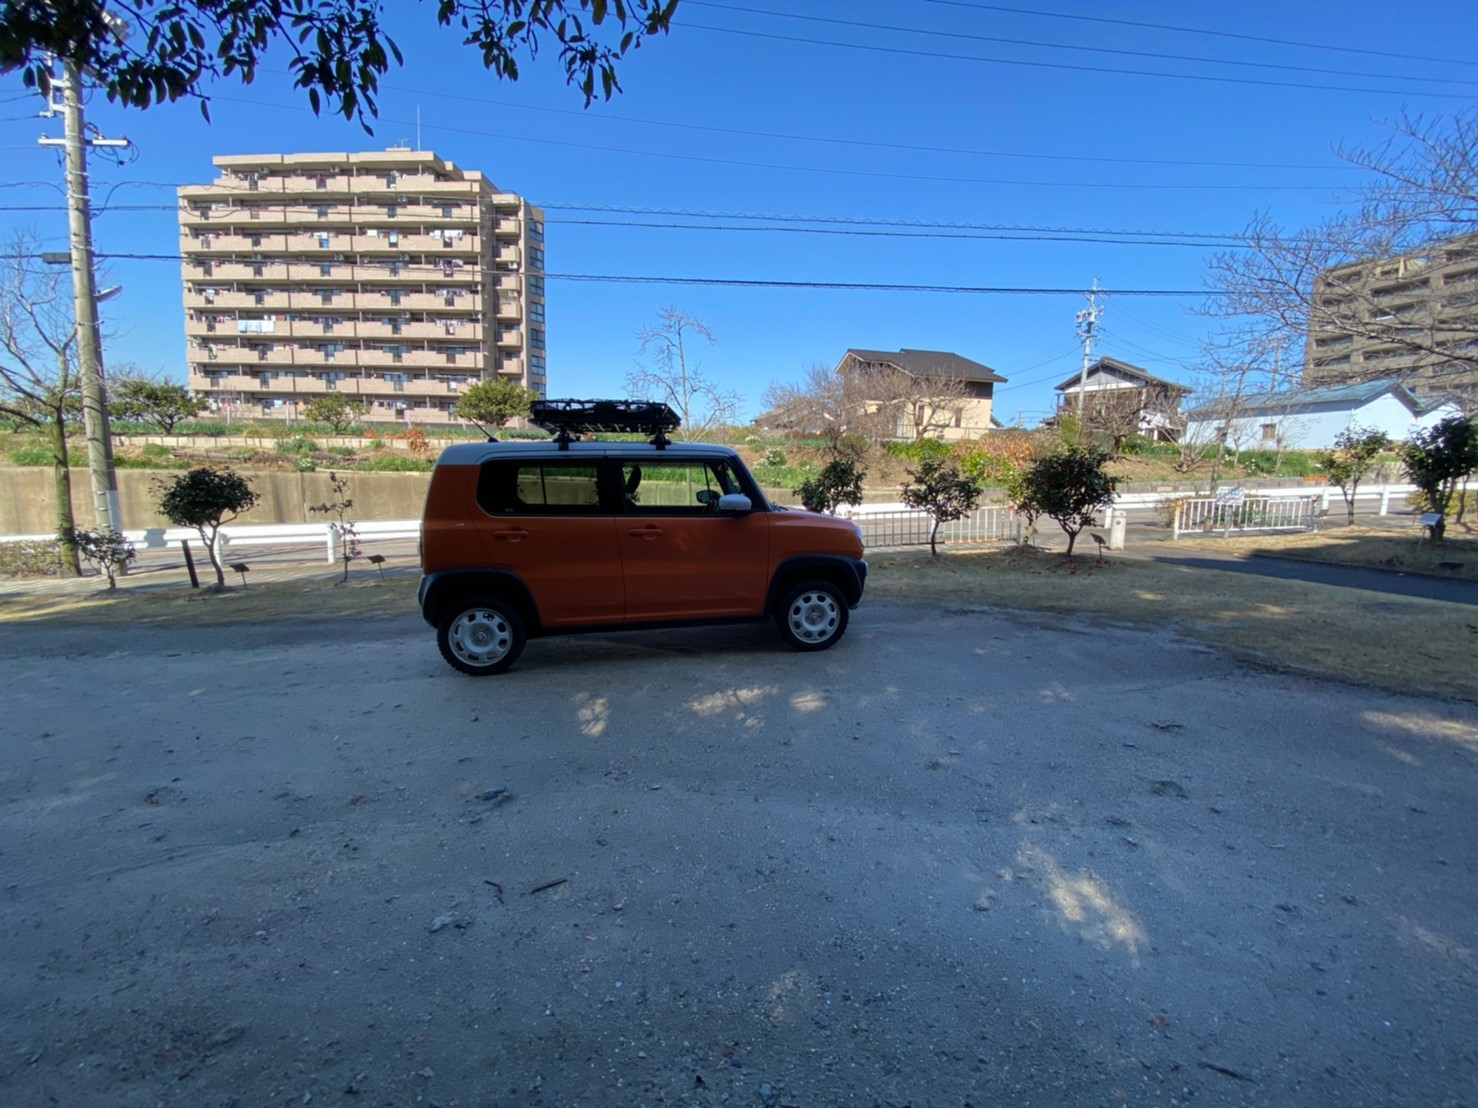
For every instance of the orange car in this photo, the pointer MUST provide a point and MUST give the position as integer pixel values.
(522, 539)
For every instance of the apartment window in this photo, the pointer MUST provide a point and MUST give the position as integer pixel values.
(536, 257)
(1269, 432)
(260, 296)
(536, 338)
(327, 296)
(325, 270)
(251, 182)
(321, 181)
(537, 364)
(262, 352)
(323, 211)
(390, 180)
(394, 237)
(325, 240)
(447, 211)
(391, 211)
(395, 298)
(536, 230)
(536, 286)
(256, 269)
(206, 268)
(255, 240)
(536, 312)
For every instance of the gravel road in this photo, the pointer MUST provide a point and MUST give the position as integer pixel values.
(965, 858)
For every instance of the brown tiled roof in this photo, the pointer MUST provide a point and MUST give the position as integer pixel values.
(928, 363)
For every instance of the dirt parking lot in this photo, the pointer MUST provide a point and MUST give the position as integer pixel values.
(967, 857)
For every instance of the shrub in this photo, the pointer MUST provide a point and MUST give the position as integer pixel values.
(394, 463)
(925, 450)
(342, 451)
(773, 457)
(298, 444)
(29, 559)
(838, 483)
(41, 456)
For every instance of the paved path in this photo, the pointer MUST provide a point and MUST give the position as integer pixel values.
(1317, 573)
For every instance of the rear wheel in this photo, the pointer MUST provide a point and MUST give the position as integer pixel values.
(481, 637)
(813, 615)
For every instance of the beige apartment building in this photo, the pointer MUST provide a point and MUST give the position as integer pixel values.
(394, 278)
(1412, 318)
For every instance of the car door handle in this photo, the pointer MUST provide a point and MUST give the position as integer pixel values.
(511, 536)
(645, 532)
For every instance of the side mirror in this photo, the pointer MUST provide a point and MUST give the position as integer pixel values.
(734, 503)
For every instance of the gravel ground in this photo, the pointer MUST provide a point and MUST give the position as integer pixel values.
(965, 858)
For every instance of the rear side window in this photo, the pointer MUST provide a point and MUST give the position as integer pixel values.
(532, 486)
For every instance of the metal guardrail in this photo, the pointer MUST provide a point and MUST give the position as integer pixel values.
(1240, 513)
(910, 527)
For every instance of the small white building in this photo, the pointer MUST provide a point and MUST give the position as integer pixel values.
(1311, 418)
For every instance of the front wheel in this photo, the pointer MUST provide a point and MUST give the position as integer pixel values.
(813, 615)
(481, 637)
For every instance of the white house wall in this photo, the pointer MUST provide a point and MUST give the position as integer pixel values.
(1315, 427)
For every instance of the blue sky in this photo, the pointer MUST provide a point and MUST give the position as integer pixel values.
(873, 116)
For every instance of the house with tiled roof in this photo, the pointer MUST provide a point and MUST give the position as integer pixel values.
(915, 394)
(1124, 399)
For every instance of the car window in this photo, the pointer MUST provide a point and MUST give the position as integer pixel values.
(676, 487)
(553, 487)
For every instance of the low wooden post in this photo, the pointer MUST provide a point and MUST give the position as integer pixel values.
(190, 564)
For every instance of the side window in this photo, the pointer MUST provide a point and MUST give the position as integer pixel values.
(676, 488)
(510, 486)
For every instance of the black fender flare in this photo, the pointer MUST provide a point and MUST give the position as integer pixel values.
(444, 587)
(849, 574)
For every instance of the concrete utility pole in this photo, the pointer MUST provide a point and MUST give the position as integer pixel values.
(84, 291)
(1087, 321)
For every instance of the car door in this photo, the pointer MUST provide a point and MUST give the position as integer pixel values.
(543, 519)
(681, 558)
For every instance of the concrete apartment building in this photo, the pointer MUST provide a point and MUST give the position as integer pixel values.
(1413, 318)
(394, 278)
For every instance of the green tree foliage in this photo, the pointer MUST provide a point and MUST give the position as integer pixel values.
(493, 402)
(939, 488)
(1355, 451)
(335, 409)
(1069, 485)
(1440, 458)
(206, 499)
(337, 50)
(158, 402)
(838, 483)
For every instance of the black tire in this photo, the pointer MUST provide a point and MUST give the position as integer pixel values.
(481, 636)
(812, 615)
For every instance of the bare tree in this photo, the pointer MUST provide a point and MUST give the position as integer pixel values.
(39, 382)
(814, 406)
(884, 402)
(1368, 275)
(676, 376)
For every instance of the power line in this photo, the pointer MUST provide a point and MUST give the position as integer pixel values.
(905, 51)
(856, 142)
(1203, 31)
(863, 221)
(756, 282)
(859, 233)
(1083, 49)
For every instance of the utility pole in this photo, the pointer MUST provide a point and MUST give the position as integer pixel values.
(84, 290)
(1087, 322)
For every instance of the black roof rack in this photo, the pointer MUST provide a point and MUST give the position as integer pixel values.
(566, 418)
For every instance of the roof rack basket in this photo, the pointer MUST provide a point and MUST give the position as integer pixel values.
(565, 419)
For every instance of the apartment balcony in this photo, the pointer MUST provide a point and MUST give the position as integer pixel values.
(196, 300)
(375, 302)
(257, 216)
(510, 336)
(511, 309)
(508, 254)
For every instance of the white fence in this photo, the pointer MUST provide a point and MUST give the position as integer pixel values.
(899, 526)
(1243, 513)
(281, 535)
